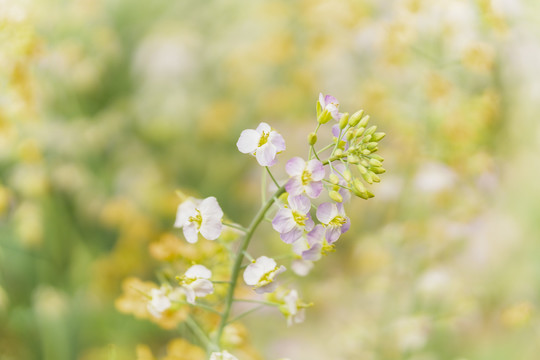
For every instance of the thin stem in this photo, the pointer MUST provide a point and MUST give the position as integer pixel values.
(263, 187)
(192, 324)
(325, 148)
(246, 313)
(273, 178)
(235, 226)
(240, 257)
(202, 306)
(315, 153)
(249, 257)
(255, 301)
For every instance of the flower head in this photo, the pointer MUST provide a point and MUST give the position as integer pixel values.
(292, 221)
(305, 177)
(196, 284)
(261, 273)
(262, 142)
(313, 246)
(159, 302)
(293, 308)
(339, 169)
(223, 355)
(329, 104)
(333, 218)
(196, 216)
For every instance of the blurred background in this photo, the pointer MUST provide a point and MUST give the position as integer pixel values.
(109, 106)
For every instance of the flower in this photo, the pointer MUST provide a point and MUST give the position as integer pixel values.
(313, 246)
(261, 273)
(195, 216)
(333, 218)
(159, 302)
(305, 177)
(330, 104)
(223, 355)
(339, 169)
(293, 309)
(291, 221)
(263, 142)
(196, 284)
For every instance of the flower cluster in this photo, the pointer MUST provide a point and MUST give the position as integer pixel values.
(310, 216)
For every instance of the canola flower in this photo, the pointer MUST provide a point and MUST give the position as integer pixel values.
(308, 218)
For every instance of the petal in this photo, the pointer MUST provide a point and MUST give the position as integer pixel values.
(209, 208)
(277, 140)
(336, 130)
(316, 168)
(266, 155)
(264, 127)
(300, 246)
(294, 186)
(345, 194)
(301, 267)
(253, 274)
(191, 233)
(345, 227)
(295, 166)
(266, 288)
(267, 264)
(184, 212)
(300, 203)
(314, 189)
(332, 234)
(316, 235)
(198, 272)
(211, 229)
(329, 99)
(321, 101)
(291, 236)
(283, 221)
(248, 141)
(202, 287)
(326, 212)
(190, 294)
(309, 224)
(313, 254)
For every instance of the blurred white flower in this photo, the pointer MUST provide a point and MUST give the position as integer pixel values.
(196, 283)
(223, 355)
(159, 302)
(261, 273)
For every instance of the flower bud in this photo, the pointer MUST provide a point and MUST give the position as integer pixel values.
(371, 130)
(343, 121)
(324, 117)
(368, 176)
(334, 179)
(359, 189)
(353, 159)
(374, 177)
(355, 118)
(366, 152)
(375, 162)
(347, 175)
(362, 169)
(312, 139)
(364, 121)
(372, 145)
(319, 109)
(349, 135)
(338, 153)
(334, 195)
(377, 157)
(378, 136)
(359, 131)
(378, 170)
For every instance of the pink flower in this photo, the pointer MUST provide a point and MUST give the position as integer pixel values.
(330, 104)
(333, 218)
(305, 177)
(264, 143)
(292, 221)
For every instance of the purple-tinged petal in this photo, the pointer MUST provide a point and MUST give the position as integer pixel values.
(283, 221)
(345, 194)
(291, 236)
(316, 235)
(346, 226)
(266, 155)
(300, 203)
(277, 140)
(316, 168)
(190, 233)
(295, 166)
(332, 234)
(314, 189)
(294, 186)
(329, 99)
(248, 141)
(313, 254)
(326, 212)
(309, 223)
(336, 130)
(263, 127)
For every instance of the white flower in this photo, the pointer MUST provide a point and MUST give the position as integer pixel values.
(261, 273)
(159, 302)
(196, 216)
(263, 142)
(293, 309)
(224, 355)
(196, 284)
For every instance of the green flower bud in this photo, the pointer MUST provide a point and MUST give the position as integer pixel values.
(364, 163)
(334, 179)
(378, 136)
(334, 195)
(324, 117)
(374, 177)
(371, 130)
(349, 135)
(355, 118)
(361, 169)
(378, 170)
(370, 194)
(359, 131)
(366, 138)
(347, 175)
(312, 139)
(368, 177)
(375, 162)
(338, 153)
(377, 157)
(366, 152)
(353, 159)
(359, 189)
(372, 145)
(364, 121)
(343, 121)
(319, 109)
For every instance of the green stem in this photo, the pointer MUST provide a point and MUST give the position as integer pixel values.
(273, 178)
(192, 324)
(235, 226)
(202, 306)
(255, 301)
(240, 257)
(246, 313)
